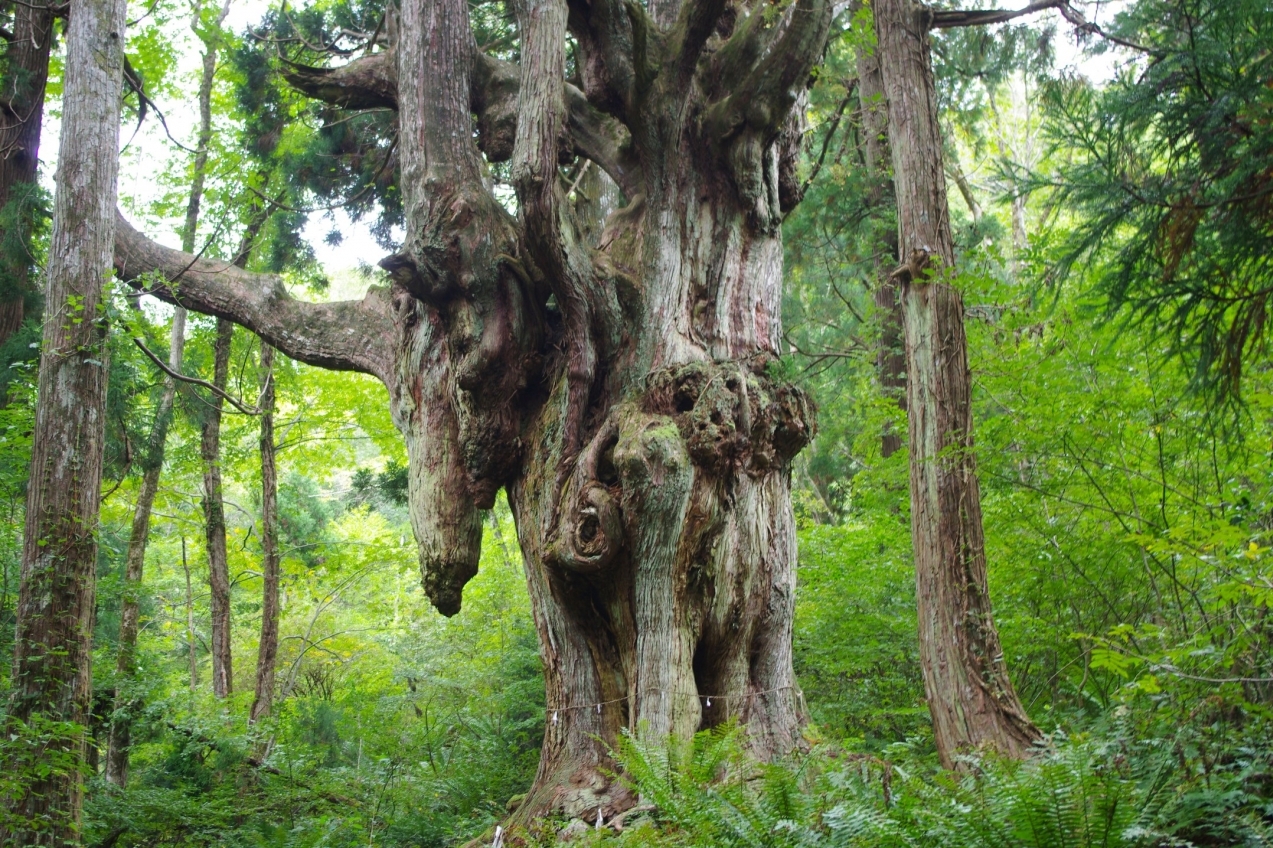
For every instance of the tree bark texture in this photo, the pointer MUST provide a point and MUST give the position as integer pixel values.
(214, 515)
(21, 117)
(51, 674)
(970, 695)
(267, 652)
(134, 564)
(191, 653)
(891, 355)
(614, 380)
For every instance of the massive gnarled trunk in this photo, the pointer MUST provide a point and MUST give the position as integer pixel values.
(619, 389)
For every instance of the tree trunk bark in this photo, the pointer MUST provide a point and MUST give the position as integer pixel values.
(970, 695)
(134, 563)
(21, 119)
(890, 360)
(214, 515)
(267, 653)
(51, 674)
(621, 393)
(190, 636)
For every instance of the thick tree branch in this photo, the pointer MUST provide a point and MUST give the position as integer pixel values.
(763, 98)
(367, 83)
(371, 82)
(610, 34)
(751, 38)
(549, 232)
(588, 132)
(949, 19)
(697, 21)
(346, 336)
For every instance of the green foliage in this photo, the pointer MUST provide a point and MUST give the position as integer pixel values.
(1165, 175)
(1079, 793)
(1128, 533)
(39, 749)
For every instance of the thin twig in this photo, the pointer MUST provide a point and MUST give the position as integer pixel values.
(246, 410)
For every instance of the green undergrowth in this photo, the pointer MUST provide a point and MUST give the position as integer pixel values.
(1107, 789)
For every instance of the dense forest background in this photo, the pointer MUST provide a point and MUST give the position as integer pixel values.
(1114, 217)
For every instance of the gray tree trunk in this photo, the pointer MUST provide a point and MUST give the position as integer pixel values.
(891, 355)
(117, 754)
(267, 652)
(214, 515)
(21, 120)
(51, 674)
(970, 695)
(134, 564)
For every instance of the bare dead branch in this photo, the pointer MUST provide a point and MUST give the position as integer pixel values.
(1075, 17)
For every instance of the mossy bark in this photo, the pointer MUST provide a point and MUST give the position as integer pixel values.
(51, 684)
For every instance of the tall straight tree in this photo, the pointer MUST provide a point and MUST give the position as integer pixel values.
(214, 513)
(970, 695)
(117, 755)
(267, 651)
(210, 425)
(890, 357)
(622, 395)
(152, 462)
(51, 674)
(26, 71)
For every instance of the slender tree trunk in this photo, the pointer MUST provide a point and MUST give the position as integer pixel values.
(213, 503)
(970, 695)
(51, 674)
(267, 653)
(214, 515)
(21, 119)
(890, 358)
(190, 637)
(121, 725)
(134, 563)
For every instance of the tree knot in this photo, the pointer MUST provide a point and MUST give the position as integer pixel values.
(733, 415)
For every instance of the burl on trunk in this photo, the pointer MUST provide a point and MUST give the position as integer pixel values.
(617, 386)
